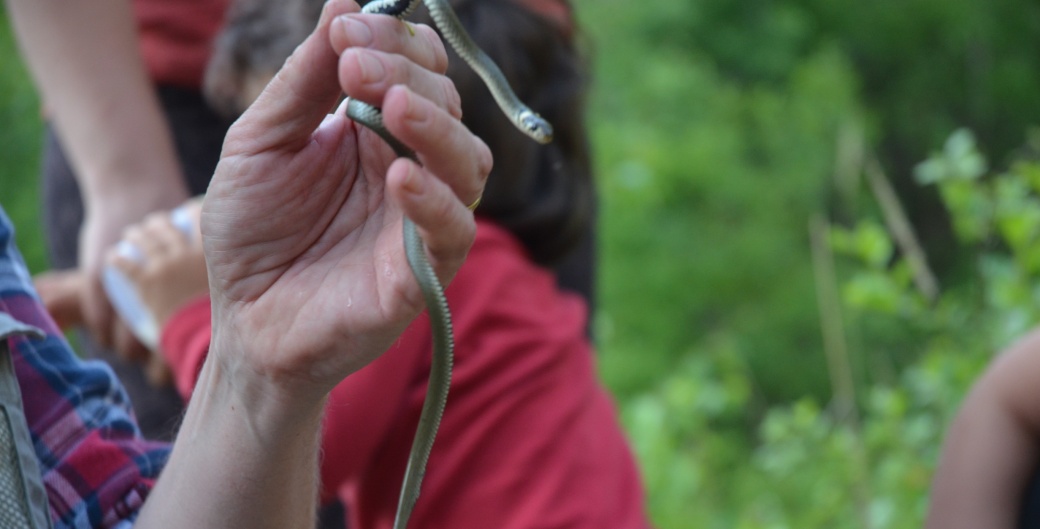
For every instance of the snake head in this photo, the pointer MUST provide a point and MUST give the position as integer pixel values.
(535, 126)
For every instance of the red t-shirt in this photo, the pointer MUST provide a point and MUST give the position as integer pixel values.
(529, 438)
(176, 37)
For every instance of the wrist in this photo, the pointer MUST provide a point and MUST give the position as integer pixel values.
(275, 394)
(146, 189)
(238, 460)
(260, 414)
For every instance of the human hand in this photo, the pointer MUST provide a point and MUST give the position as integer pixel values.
(108, 216)
(61, 292)
(302, 222)
(171, 269)
(167, 269)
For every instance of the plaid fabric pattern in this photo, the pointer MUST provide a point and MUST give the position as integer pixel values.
(96, 467)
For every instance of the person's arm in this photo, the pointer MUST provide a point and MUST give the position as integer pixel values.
(308, 278)
(84, 58)
(992, 447)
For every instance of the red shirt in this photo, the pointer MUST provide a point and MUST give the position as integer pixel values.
(529, 438)
(176, 37)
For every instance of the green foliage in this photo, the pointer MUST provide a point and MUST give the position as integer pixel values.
(707, 186)
(805, 465)
(19, 148)
(715, 125)
(926, 65)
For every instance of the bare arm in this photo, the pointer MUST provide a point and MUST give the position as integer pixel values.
(993, 445)
(84, 58)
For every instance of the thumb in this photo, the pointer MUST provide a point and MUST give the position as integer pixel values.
(299, 97)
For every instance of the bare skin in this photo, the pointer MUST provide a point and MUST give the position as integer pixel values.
(993, 445)
(92, 81)
(170, 272)
(305, 211)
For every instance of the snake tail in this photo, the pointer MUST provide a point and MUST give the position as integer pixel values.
(440, 375)
(440, 325)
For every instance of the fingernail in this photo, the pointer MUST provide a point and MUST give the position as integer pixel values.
(358, 32)
(413, 181)
(371, 67)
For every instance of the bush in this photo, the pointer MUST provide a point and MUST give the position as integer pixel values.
(806, 464)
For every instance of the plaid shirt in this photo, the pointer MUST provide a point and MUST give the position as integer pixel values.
(96, 468)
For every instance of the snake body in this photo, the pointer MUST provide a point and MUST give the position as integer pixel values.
(528, 122)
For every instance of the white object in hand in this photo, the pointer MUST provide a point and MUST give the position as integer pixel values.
(123, 294)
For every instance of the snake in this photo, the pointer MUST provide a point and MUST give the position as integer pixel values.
(525, 119)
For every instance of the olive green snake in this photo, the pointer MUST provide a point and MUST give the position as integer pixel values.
(527, 121)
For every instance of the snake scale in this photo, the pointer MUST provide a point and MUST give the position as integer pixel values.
(527, 121)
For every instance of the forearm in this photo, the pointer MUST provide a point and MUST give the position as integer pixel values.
(241, 459)
(84, 58)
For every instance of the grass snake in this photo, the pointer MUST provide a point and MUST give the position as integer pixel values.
(527, 121)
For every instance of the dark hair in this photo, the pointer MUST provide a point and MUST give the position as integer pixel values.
(543, 194)
(257, 37)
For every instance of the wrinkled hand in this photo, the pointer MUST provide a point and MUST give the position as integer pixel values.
(302, 222)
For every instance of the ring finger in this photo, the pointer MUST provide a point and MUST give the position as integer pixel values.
(444, 145)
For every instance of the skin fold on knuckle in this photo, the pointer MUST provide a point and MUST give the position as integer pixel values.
(452, 99)
(484, 159)
(435, 46)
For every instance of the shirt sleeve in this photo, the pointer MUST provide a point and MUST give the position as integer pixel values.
(185, 343)
(96, 467)
(363, 420)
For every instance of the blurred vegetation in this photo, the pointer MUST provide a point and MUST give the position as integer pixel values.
(722, 128)
(711, 461)
(20, 138)
(742, 151)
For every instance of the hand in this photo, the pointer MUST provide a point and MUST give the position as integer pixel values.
(85, 61)
(172, 268)
(170, 271)
(107, 218)
(302, 222)
(61, 292)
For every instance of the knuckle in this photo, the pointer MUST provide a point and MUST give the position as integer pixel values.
(485, 161)
(438, 58)
(132, 232)
(452, 99)
(155, 219)
(446, 208)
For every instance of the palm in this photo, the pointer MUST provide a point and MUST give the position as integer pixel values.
(313, 255)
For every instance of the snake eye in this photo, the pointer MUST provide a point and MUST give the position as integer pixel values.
(536, 127)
